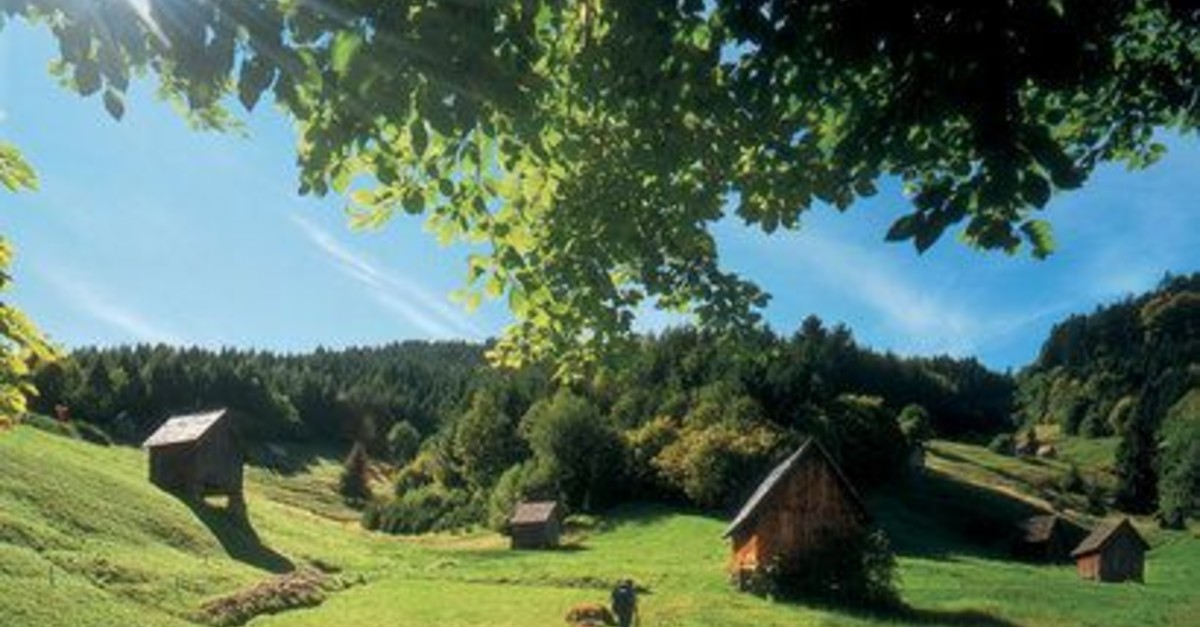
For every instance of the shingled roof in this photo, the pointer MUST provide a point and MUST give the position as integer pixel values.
(1103, 534)
(775, 479)
(183, 429)
(534, 512)
(1038, 528)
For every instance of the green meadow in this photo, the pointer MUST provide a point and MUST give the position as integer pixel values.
(86, 540)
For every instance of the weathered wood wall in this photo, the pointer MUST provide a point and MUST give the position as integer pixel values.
(809, 509)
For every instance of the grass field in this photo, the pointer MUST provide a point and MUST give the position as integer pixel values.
(85, 540)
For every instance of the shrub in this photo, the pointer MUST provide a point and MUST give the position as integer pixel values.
(529, 480)
(485, 440)
(713, 465)
(915, 424)
(93, 434)
(1003, 444)
(50, 425)
(1179, 463)
(403, 442)
(579, 447)
(644, 444)
(354, 484)
(430, 508)
(858, 570)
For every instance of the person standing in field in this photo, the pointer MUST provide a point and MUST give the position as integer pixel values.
(624, 603)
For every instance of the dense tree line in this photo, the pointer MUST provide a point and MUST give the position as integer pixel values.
(689, 418)
(331, 396)
(686, 415)
(1132, 370)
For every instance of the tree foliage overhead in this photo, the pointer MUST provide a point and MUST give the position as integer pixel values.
(20, 341)
(590, 145)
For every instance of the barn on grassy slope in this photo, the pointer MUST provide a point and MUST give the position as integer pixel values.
(1045, 538)
(1113, 552)
(803, 505)
(535, 525)
(197, 455)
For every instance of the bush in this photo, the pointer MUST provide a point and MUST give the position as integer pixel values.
(857, 570)
(93, 434)
(915, 424)
(354, 484)
(430, 508)
(644, 444)
(50, 425)
(713, 465)
(403, 442)
(529, 480)
(1003, 444)
(579, 447)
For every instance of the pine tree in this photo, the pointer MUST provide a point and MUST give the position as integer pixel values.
(355, 485)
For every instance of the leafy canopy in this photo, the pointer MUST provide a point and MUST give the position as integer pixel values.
(588, 146)
(20, 341)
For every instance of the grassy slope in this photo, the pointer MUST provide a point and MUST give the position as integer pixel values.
(124, 553)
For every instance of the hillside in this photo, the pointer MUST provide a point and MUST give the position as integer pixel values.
(85, 540)
(1130, 371)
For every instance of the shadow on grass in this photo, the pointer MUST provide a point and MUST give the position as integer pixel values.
(940, 516)
(237, 536)
(907, 615)
(954, 617)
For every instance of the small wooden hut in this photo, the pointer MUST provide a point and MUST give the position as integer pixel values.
(1044, 538)
(535, 525)
(804, 504)
(1112, 552)
(197, 455)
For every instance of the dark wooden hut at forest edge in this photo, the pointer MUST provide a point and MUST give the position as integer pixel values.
(1113, 552)
(535, 525)
(197, 455)
(1045, 538)
(804, 504)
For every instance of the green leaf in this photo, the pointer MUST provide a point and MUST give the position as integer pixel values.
(1035, 190)
(253, 79)
(346, 45)
(420, 137)
(1041, 236)
(114, 104)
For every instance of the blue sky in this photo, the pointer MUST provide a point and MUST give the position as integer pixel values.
(145, 230)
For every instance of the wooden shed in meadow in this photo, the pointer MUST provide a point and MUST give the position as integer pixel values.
(197, 455)
(804, 504)
(1045, 538)
(1114, 551)
(535, 525)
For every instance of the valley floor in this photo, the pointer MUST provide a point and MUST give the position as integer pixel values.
(85, 540)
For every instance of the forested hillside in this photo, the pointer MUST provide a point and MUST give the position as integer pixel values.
(1131, 370)
(685, 417)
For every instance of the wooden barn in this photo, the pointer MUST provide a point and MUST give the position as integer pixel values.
(197, 455)
(1045, 538)
(535, 525)
(803, 504)
(1112, 552)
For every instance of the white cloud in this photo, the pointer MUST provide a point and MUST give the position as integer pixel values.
(93, 302)
(411, 301)
(918, 318)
